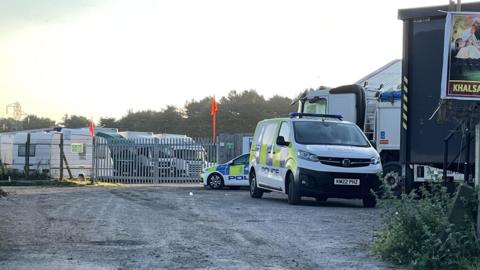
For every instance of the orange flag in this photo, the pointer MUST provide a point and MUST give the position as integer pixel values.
(213, 113)
(91, 129)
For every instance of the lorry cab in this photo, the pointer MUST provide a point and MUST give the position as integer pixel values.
(375, 110)
(313, 155)
(347, 100)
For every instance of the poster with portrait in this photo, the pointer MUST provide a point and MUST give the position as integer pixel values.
(461, 56)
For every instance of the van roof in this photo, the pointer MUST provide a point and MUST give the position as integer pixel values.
(305, 118)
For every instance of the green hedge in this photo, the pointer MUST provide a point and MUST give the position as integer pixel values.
(6, 174)
(416, 232)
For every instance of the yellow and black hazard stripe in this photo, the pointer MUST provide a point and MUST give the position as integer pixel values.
(405, 103)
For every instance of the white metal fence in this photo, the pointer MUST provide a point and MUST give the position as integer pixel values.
(152, 160)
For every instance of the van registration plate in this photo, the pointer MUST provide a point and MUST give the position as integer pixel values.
(347, 182)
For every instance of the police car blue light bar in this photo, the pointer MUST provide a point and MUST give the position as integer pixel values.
(300, 115)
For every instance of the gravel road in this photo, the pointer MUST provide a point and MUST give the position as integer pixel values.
(164, 227)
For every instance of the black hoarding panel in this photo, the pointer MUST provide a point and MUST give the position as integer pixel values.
(424, 54)
(425, 71)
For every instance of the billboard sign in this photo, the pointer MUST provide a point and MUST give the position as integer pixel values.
(461, 56)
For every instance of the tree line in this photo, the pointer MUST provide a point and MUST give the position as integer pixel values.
(238, 112)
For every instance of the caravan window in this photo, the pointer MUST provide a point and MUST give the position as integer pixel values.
(319, 106)
(22, 148)
(78, 148)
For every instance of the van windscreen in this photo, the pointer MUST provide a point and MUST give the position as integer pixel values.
(331, 133)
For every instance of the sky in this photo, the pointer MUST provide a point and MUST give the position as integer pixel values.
(101, 58)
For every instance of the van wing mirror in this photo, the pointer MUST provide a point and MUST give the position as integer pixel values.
(281, 141)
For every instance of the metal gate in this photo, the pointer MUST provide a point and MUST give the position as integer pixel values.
(152, 160)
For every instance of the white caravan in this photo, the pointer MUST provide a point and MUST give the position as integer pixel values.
(6, 148)
(44, 156)
(136, 135)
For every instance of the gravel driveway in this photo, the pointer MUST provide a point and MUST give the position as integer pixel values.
(164, 227)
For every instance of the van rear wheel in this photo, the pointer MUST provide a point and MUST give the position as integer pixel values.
(293, 196)
(392, 178)
(255, 192)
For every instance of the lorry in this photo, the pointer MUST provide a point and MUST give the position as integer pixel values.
(374, 109)
(401, 122)
(422, 137)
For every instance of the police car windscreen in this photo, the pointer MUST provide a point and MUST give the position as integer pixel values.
(331, 133)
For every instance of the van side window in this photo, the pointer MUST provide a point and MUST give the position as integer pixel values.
(285, 131)
(269, 134)
(257, 139)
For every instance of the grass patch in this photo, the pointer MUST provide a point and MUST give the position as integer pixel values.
(82, 183)
(11, 174)
(58, 183)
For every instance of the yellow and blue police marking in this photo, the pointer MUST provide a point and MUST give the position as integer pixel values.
(229, 172)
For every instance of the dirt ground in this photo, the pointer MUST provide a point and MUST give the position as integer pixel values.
(165, 227)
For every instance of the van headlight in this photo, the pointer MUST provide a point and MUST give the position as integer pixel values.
(307, 156)
(375, 160)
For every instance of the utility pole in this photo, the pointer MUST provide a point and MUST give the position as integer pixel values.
(27, 157)
(455, 6)
(61, 156)
(466, 168)
(17, 110)
(477, 171)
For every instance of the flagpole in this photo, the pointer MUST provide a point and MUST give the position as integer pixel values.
(213, 113)
(91, 132)
(214, 127)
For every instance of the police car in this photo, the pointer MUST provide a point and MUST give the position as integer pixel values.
(313, 155)
(233, 174)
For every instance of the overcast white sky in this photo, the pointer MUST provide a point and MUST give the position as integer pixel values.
(101, 58)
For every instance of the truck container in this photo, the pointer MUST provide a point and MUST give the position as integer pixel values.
(422, 135)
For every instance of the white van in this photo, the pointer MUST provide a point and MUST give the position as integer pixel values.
(313, 155)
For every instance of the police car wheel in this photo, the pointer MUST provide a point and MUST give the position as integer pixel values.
(215, 181)
(293, 197)
(321, 198)
(255, 192)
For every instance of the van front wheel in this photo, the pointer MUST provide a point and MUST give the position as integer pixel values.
(293, 197)
(369, 201)
(255, 192)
